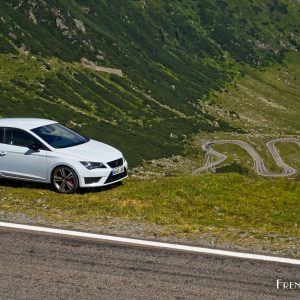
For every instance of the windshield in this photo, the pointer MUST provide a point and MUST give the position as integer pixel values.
(59, 136)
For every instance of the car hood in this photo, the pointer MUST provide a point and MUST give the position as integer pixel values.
(92, 151)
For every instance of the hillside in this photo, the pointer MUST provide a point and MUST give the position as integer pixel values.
(174, 55)
(274, 90)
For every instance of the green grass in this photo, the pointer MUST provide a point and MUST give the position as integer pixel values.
(262, 101)
(186, 204)
(100, 105)
(174, 55)
(211, 68)
(290, 153)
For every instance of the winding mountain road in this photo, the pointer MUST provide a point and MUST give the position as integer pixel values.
(259, 165)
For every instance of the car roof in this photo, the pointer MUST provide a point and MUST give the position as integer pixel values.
(24, 123)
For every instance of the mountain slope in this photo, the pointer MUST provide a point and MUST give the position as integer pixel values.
(173, 54)
(273, 97)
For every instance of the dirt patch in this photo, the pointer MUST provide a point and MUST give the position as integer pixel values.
(90, 65)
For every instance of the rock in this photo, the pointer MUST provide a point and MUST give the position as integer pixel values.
(80, 26)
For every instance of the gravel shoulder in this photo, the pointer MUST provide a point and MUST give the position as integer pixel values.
(227, 239)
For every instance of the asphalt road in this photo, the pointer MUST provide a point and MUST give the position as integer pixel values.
(38, 266)
(259, 165)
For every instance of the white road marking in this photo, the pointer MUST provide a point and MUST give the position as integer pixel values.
(153, 244)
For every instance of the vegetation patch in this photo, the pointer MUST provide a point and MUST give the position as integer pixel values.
(173, 55)
(232, 168)
(234, 208)
(264, 101)
(213, 68)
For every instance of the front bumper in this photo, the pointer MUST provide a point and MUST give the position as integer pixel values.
(101, 177)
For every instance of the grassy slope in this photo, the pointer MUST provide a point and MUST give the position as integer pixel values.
(272, 111)
(272, 96)
(179, 53)
(97, 104)
(175, 52)
(233, 208)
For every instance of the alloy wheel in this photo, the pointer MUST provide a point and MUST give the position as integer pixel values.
(65, 180)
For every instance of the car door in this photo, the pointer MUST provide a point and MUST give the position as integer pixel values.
(17, 160)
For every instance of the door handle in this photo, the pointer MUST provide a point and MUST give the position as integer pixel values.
(3, 153)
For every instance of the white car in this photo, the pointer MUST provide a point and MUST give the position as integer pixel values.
(46, 151)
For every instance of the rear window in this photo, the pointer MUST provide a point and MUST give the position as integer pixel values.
(1, 135)
(19, 137)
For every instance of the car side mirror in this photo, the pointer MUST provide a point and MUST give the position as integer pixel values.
(34, 147)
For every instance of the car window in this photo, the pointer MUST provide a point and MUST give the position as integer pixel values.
(59, 136)
(18, 137)
(1, 134)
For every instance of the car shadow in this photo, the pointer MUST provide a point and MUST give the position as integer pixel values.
(36, 185)
(99, 189)
(23, 184)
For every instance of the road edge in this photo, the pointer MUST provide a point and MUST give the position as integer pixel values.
(151, 244)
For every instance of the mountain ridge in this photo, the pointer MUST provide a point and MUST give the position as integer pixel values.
(173, 55)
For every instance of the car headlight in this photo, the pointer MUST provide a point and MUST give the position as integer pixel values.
(93, 165)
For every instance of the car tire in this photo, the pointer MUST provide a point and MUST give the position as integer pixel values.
(64, 180)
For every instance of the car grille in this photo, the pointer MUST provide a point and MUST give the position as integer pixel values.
(116, 163)
(112, 178)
